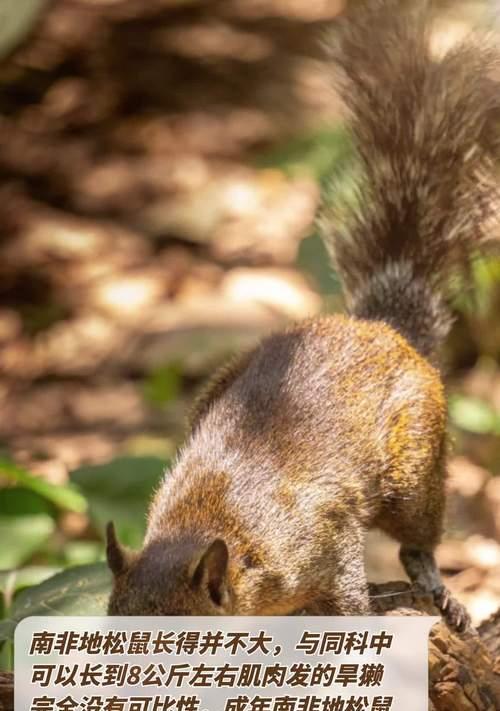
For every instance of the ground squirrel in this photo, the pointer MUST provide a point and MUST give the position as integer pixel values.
(338, 424)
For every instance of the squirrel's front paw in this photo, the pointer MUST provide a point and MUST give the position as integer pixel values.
(453, 612)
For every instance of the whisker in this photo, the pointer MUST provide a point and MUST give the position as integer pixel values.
(395, 594)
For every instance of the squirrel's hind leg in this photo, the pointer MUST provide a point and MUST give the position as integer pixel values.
(419, 537)
(421, 567)
(414, 517)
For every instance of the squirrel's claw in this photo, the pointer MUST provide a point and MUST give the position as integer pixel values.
(453, 612)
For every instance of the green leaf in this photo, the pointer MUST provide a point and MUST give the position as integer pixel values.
(18, 501)
(474, 415)
(485, 273)
(83, 552)
(63, 496)
(162, 385)
(7, 628)
(82, 590)
(23, 536)
(12, 581)
(25, 525)
(6, 653)
(120, 491)
(314, 153)
(313, 259)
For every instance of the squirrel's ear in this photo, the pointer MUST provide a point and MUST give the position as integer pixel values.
(211, 571)
(116, 554)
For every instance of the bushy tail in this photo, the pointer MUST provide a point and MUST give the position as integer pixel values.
(424, 188)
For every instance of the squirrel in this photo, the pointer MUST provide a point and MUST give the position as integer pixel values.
(338, 423)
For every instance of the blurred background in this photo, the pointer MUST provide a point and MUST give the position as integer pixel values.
(161, 165)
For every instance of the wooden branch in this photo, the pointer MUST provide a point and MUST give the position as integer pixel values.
(464, 670)
(489, 631)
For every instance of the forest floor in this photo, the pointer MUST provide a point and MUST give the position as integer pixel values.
(160, 166)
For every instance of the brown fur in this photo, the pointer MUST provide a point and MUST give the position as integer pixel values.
(425, 190)
(337, 424)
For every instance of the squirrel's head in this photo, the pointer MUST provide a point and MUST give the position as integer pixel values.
(169, 579)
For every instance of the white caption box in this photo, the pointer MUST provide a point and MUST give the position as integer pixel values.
(222, 664)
